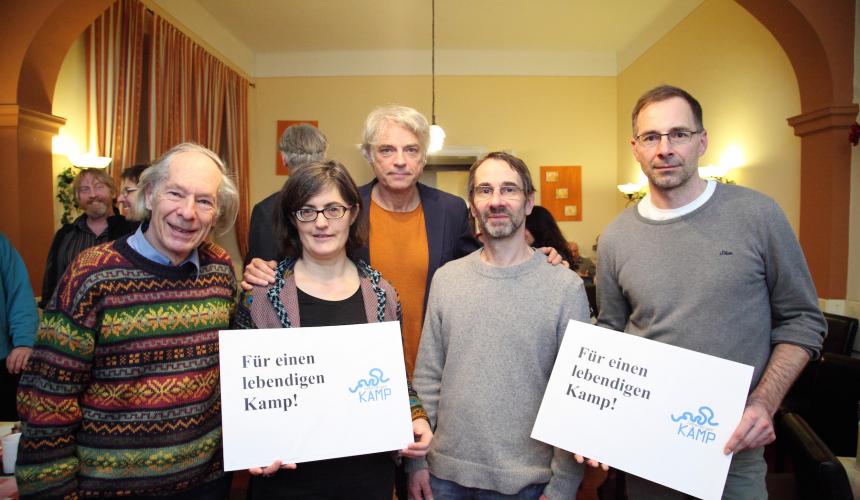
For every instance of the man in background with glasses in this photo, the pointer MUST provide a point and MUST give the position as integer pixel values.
(128, 191)
(494, 323)
(710, 267)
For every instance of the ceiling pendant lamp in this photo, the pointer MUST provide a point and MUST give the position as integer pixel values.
(437, 135)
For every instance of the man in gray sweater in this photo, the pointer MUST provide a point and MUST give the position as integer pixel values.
(710, 267)
(495, 320)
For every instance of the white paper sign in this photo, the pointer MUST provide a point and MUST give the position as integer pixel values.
(303, 394)
(651, 409)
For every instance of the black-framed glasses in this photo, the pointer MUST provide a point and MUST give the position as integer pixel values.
(676, 137)
(508, 192)
(128, 190)
(331, 212)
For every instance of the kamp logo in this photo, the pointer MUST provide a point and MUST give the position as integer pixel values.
(372, 388)
(697, 427)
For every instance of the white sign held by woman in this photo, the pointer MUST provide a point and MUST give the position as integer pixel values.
(304, 394)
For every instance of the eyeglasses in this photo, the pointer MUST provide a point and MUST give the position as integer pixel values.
(676, 137)
(507, 192)
(330, 213)
(387, 151)
(127, 190)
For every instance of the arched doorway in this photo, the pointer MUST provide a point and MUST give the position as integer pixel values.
(818, 39)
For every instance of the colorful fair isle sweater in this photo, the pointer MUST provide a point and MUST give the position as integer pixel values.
(277, 306)
(121, 395)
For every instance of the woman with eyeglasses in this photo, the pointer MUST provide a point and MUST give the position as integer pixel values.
(319, 284)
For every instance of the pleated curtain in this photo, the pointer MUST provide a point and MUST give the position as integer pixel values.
(114, 48)
(171, 99)
(192, 96)
(237, 151)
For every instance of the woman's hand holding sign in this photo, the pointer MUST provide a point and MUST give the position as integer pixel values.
(271, 469)
(423, 435)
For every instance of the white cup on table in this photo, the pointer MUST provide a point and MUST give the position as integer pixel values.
(10, 452)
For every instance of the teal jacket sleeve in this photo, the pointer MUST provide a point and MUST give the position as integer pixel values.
(19, 319)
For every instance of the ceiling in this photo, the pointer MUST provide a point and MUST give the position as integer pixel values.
(616, 29)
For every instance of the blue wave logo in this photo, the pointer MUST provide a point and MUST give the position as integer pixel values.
(372, 388)
(705, 417)
(699, 427)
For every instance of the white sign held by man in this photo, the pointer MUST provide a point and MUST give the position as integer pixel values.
(304, 394)
(651, 409)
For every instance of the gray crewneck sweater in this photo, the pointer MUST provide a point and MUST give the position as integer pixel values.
(728, 279)
(490, 339)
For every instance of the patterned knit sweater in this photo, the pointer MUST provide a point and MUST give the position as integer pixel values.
(121, 394)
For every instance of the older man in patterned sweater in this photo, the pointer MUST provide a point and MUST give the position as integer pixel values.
(121, 396)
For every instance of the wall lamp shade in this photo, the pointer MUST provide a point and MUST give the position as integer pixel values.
(632, 191)
(718, 173)
(630, 188)
(713, 171)
(89, 160)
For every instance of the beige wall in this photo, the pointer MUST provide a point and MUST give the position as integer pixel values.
(544, 120)
(70, 102)
(746, 85)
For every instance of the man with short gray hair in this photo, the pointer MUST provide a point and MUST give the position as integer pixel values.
(299, 144)
(121, 396)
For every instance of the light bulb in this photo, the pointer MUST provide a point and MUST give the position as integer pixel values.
(437, 138)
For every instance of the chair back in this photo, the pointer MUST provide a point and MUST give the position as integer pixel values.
(818, 473)
(591, 294)
(826, 395)
(841, 332)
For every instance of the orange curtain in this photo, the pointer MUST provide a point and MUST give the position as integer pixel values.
(114, 46)
(171, 89)
(191, 92)
(210, 80)
(237, 151)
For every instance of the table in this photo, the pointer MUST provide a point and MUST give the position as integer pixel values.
(8, 488)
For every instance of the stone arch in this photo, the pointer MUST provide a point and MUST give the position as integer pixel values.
(818, 39)
(35, 37)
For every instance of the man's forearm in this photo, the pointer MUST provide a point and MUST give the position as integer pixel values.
(785, 364)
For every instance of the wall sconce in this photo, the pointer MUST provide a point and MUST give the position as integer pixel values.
(64, 146)
(715, 172)
(632, 191)
(89, 160)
